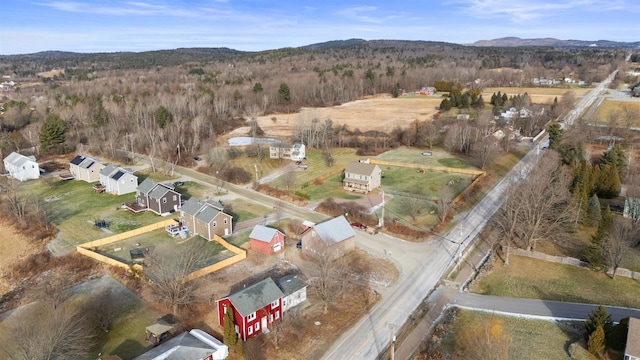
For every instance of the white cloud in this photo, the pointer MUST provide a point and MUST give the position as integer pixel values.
(361, 13)
(517, 11)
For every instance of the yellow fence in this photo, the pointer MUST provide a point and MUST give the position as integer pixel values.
(468, 188)
(86, 249)
(428, 167)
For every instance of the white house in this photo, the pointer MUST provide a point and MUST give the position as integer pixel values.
(21, 167)
(295, 152)
(294, 289)
(117, 180)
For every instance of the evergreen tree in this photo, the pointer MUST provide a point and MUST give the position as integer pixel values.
(445, 104)
(614, 157)
(257, 88)
(284, 93)
(493, 99)
(597, 343)
(479, 103)
(618, 337)
(593, 210)
(598, 318)
(229, 337)
(504, 99)
(608, 181)
(555, 135)
(53, 133)
(162, 116)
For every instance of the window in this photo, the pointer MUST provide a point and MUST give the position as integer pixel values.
(226, 221)
(250, 330)
(277, 315)
(164, 200)
(251, 317)
(215, 223)
(175, 197)
(275, 304)
(270, 318)
(257, 326)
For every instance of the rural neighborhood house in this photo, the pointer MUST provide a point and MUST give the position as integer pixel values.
(159, 198)
(21, 167)
(206, 218)
(295, 152)
(117, 180)
(195, 344)
(362, 177)
(85, 168)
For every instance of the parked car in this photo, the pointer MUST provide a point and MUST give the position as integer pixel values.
(427, 153)
(178, 183)
(298, 162)
(304, 166)
(358, 225)
(299, 245)
(197, 158)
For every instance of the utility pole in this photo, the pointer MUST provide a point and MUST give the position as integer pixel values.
(381, 220)
(392, 341)
(255, 166)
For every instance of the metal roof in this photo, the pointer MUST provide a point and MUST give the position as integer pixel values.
(335, 230)
(256, 296)
(263, 233)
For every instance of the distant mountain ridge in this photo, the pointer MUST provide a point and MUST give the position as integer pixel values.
(553, 42)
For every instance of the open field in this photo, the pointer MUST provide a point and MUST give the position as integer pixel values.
(617, 109)
(73, 207)
(389, 113)
(538, 279)
(424, 185)
(538, 95)
(529, 339)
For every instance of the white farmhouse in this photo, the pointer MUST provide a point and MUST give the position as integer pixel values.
(21, 167)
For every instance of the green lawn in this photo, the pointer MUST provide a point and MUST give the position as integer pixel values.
(411, 211)
(530, 339)
(73, 207)
(428, 185)
(242, 210)
(537, 279)
(409, 155)
(330, 188)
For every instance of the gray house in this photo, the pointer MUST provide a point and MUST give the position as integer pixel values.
(362, 177)
(117, 180)
(85, 168)
(160, 198)
(206, 218)
(632, 350)
(195, 344)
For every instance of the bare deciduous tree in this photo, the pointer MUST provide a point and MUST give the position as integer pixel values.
(445, 203)
(327, 278)
(167, 273)
(616, 246)
(288, 179)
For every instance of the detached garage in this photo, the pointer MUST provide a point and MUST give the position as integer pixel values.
(266, 240)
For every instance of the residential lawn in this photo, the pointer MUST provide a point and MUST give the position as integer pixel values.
(239, 239)
(157, 176)
(398, 209)
(242, 210)
(162, 244)
(538, 279)
(409, 155)
(614, 108)
(329, 188)
(73, 207)
(192, 188)
(530, 339)
(506, 162)
(427, 185)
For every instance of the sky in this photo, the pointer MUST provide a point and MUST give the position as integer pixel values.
(254, 25)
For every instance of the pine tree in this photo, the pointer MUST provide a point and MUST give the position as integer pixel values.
(284, 93)
(596, 343)
(608, 181)
(445, 105)
(229, 337)
(555, 135)
(593, 210)
(162, 116)
(598, 318)
(52, 133)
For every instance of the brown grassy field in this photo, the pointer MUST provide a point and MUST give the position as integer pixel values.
(378, 113)
(538, 95)
(609, 107)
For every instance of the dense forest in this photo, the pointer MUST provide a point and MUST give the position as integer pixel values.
(151, 102)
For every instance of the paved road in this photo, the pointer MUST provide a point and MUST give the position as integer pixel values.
(537, 308)
(370, 336)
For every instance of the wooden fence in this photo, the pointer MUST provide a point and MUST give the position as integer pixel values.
(87, 249)
(572, 261)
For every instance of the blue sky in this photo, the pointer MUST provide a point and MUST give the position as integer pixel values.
(109, 26)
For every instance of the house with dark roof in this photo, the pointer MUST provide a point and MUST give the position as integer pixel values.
(117, 180)
(333, 238)
(195, 344)
(21, 167)
(294, 289)
(266, 239)
(85, 168)
(206, 218)
(254, 308)
(632, 350)
(362, 177)
(160, 198)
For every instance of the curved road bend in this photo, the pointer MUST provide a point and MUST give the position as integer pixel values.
(537, 308)
(370, 335)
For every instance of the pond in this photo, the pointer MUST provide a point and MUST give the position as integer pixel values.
(246, 140)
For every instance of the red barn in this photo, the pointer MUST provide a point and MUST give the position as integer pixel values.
(254, 308)
(267, 240)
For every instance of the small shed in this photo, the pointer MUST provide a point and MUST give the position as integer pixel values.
(266, 240)
(164, 328)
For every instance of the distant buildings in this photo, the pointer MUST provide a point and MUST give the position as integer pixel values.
(295, 152)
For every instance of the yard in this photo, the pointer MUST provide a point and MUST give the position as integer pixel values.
(73, 207)
(616, 109)
(538, 279)
(161, 244)
(524, 338)
(242, 210)
(538, 95)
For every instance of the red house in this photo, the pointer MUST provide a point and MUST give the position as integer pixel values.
(254, 308)
(266, 240)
